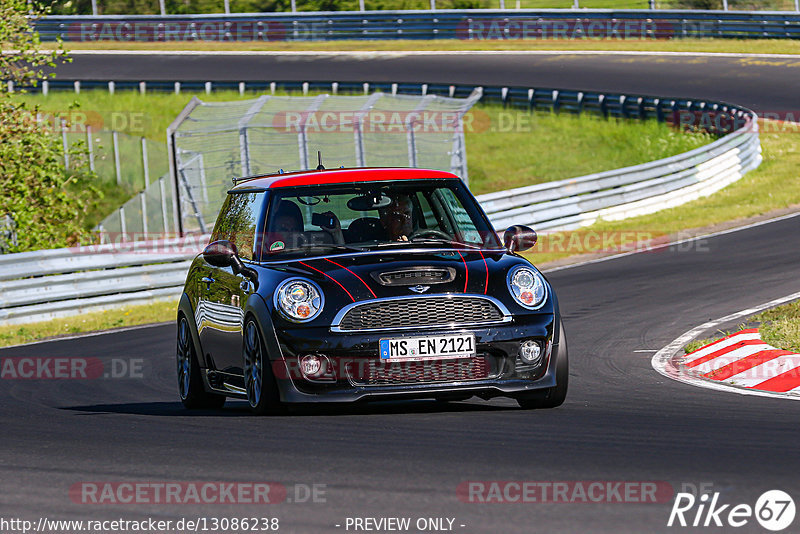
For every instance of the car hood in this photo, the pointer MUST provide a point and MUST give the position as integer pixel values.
(391, 273)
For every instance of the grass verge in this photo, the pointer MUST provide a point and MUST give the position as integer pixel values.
(744, 46)
(779, 327)
(155, 312)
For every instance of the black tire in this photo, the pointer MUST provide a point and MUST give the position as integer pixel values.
(191, 390)
(259, 382)
(554, 396)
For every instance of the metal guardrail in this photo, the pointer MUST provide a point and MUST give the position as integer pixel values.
(47, 284)
(474, 24)
(630, 191)
(51, 283)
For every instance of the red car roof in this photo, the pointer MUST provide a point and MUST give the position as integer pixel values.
(341, 176)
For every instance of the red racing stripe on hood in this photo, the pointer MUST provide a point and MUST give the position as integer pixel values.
(486, 283)
(329, 276)
(466, 270)
(354, 274)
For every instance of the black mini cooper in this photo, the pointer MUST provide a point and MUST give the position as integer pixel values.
(364, 284)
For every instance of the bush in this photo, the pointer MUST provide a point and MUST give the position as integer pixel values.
(39, 195)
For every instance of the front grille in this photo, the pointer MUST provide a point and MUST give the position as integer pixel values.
(381, 373)
(422, 312)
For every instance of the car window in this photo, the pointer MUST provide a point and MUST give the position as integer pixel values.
(461, 219)
(370, 215)
(238, 220)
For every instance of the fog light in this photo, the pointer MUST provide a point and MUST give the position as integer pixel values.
(531, 352)
(311, 366)
(317, 368)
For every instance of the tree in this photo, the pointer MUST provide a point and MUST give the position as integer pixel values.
(38, 192)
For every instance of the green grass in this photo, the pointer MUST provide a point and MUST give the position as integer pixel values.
(779, 327)
(520, 149)
(749, 46)
(155, 312)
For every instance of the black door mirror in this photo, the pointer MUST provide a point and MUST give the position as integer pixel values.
(223, 253)
(518, 238)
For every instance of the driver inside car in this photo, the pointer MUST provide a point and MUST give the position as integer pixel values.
(397, 218)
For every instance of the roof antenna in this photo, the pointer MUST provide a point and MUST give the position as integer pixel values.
(320, 167)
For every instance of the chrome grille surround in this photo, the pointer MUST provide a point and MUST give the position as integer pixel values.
(416, 312)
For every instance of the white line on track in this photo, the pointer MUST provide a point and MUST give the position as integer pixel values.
(662, 360)
(403, 53)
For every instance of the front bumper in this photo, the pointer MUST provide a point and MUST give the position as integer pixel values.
(498, 371)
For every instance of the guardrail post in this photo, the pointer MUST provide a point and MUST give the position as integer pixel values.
(64, 143)
(115, 144)
(177, 88)
(90, 146)
(45, 87)
(142, 87)
(143, 202)
(241, 88)
(76, 86)
(123, 228)
(227, 7)
(162, 191)
(294, 6)
(111, 87)
(162, 7)
(361, 5)
(94, 8)
(145, 163)
(556, 103)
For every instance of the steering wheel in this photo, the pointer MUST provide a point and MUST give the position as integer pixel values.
(429, 232)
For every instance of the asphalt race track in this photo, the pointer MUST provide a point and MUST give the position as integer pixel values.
(621, 422)
(763, 84)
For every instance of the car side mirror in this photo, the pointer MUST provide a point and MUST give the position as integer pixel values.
(223, 253)
(518, 238)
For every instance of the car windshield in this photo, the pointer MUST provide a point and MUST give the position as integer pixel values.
(370, 216)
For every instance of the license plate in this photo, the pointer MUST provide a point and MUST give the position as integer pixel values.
(428, 347)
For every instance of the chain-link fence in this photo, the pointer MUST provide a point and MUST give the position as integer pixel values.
(214, 142)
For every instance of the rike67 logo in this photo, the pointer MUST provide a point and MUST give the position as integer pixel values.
(774, 510)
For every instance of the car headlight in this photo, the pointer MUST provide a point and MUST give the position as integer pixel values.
(299, 299)
(527, 287)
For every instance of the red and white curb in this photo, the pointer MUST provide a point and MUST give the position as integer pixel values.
(744, 360)
(739, 363)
